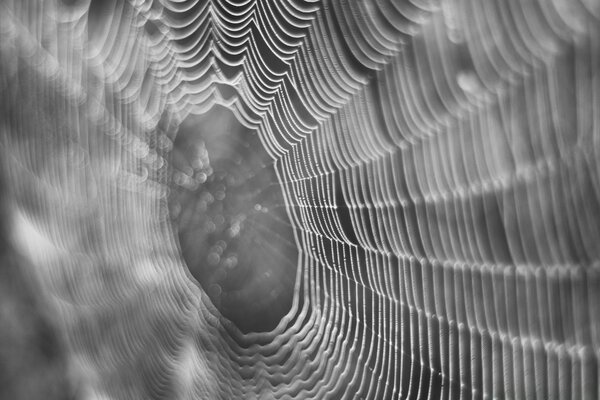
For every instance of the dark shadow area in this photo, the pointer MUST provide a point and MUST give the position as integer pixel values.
(228, 210)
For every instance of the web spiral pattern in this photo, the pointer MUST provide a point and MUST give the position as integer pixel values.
(438, 161)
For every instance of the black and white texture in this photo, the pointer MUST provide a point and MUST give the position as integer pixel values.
(295, 199)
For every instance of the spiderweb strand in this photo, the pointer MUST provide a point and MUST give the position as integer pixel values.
(438, 162)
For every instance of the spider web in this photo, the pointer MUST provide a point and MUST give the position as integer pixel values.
(437, 161)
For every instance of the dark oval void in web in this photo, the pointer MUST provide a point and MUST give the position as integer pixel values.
(227, 208)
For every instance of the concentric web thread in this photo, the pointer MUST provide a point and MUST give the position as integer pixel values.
(438, 161)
